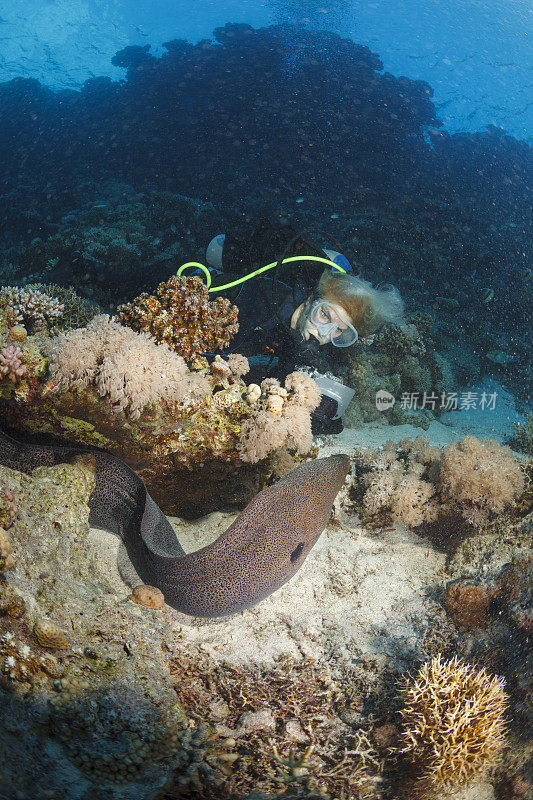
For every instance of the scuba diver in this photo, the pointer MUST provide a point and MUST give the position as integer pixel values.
(286, 313)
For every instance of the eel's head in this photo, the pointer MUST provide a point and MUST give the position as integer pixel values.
(283, 523)
(264, 547)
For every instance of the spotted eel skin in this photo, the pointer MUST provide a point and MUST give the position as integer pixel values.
(258, 553)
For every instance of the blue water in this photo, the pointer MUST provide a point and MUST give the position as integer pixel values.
(477, 54)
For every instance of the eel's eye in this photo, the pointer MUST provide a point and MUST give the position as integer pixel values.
(296, 553)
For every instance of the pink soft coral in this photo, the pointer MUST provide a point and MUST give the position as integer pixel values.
(11, 363)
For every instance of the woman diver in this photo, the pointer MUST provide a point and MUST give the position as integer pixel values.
(293, 317)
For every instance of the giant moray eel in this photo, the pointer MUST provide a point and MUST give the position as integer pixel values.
(258, 553)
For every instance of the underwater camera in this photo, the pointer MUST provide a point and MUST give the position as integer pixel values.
(327, 417)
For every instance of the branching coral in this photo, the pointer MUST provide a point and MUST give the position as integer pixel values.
(77, 311)
(30, 306)
(453, 722)
(283, 417)
(128, 368)
(181, 314)
(289, 717)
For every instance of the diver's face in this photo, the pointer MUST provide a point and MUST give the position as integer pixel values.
(324, 321)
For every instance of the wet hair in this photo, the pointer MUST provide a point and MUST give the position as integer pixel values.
(368, 307)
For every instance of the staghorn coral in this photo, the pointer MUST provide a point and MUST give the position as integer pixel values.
(30, 306)
(77, 311)
(181, 314)
(128, 368)
(288, 724)
(12, 365)
(453, 723)
(483, 477)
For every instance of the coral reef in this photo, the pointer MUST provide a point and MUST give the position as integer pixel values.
(95, 711)
(12, 363)
(453, 723)
(182, 429)
(30, 306)
(403, 361)
(289, 727)
(483, 477)
(181, 315)
(415, 483)
(105, 247)
(77, 311)
(523, 435)
(283, 418)
(127, 367)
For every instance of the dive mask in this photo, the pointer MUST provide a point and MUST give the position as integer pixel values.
(332, 325)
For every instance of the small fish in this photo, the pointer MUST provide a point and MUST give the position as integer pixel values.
(487, 295)
(368, 340)
(446, 303)
(500, 357)
(300, 199)
(334, 216)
